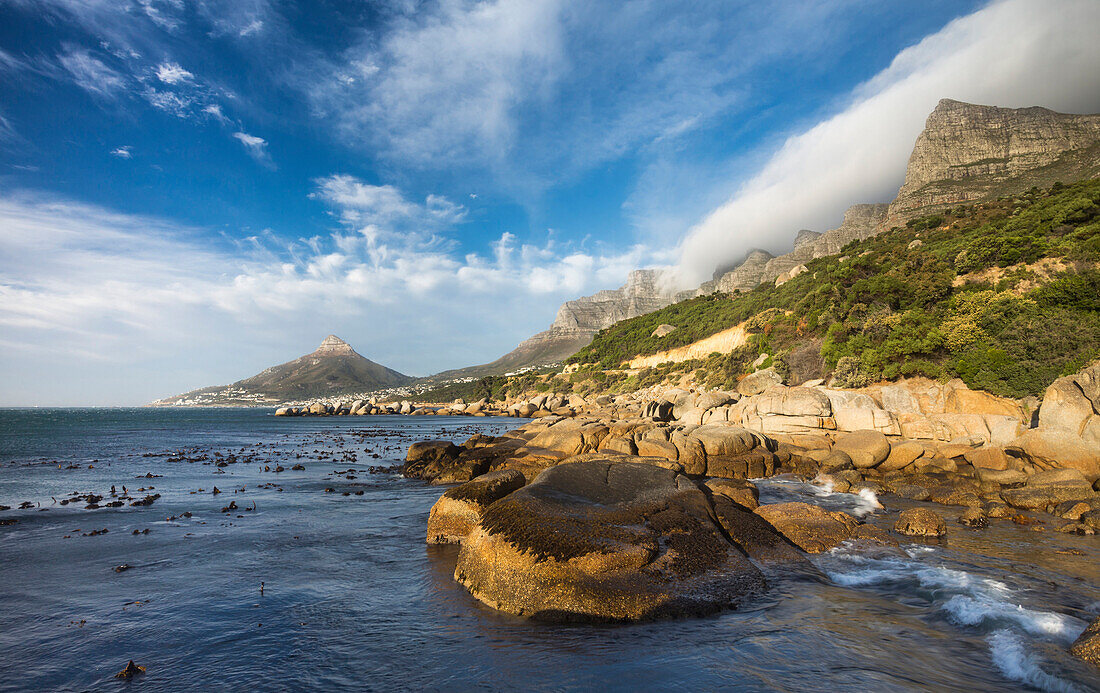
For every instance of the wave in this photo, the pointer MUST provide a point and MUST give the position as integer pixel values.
(1012, 659)
(966, 600)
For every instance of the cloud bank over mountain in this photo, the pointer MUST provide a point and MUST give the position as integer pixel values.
(1014, 53)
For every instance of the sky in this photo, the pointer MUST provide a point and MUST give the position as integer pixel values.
(194, 190)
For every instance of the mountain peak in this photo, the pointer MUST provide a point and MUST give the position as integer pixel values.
(334, 345)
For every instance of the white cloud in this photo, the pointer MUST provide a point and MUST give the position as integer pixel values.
(447, 83)
(538, 91)
(84, 290)
(172, 73)
(363, 203)
(254, 27)
(90, 73)
(123, 152)
(215, 111)
(1013, 53)
(256, 147)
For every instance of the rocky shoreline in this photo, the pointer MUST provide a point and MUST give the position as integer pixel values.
(636, 509)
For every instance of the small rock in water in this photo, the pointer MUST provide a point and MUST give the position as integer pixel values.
(130, 671)
(973, 517)
(123, 568)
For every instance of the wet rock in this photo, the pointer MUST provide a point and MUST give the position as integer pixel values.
(459, 510)
(973, 517)
(604, 541)
(920, 522)
(1087, 646)
(814, 529)
(124, 567)
(130, 671)
(754, 535)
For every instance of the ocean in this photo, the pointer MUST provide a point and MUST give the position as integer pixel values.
(309, 571)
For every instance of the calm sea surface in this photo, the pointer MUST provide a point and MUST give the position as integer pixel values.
(354, 599)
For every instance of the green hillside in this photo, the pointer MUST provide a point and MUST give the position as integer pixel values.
(1003, 294)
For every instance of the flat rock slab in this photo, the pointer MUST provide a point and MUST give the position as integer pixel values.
(605, 541)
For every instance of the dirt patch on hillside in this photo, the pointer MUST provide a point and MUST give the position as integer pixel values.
(723, 342)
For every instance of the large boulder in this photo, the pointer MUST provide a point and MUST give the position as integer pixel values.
(428, 451)
(866, 448)
(459, 510)
(816, 530)
(1059, 448)
(604, 541)
(1071, 403)
(920, 522)
(755, 383)
(792, 401)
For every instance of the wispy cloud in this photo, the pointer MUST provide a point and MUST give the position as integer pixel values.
(1010, 53)
(256, 148)
(124, 152)
(539, 91)
(90, 73)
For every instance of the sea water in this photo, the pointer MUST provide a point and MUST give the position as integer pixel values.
(320, 578)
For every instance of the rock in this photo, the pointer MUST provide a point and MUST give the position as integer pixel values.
(815, 529)
(1071, 402)
(130, 671)
(920, 522)
(902, 454)
(716, 398)
(425, 459)
(866, 448)
(605, 542)
(973, 517)
(755, 383)
(962, 400)
(754, 535)
(1049, 489)
(792, 401)
(740, 491)
(660, 410)
(663, 330)
(283, 411)
(1059, 448)
(1087, 645)
(993, 458)
(459, 510)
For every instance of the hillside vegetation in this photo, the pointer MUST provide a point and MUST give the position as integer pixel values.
(1003, 294)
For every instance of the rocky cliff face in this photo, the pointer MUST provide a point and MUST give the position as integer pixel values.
(969, 152)
(860, 221)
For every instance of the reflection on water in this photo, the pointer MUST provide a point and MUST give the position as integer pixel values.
(354, 598)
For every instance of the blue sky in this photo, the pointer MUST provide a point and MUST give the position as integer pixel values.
(191, 191)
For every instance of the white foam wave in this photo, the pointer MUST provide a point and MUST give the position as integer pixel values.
(979, 609)
(1011, 657)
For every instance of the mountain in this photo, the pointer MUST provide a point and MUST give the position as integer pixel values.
(1002, 294)
(576, 323)
(334, 368)
(968, 152)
